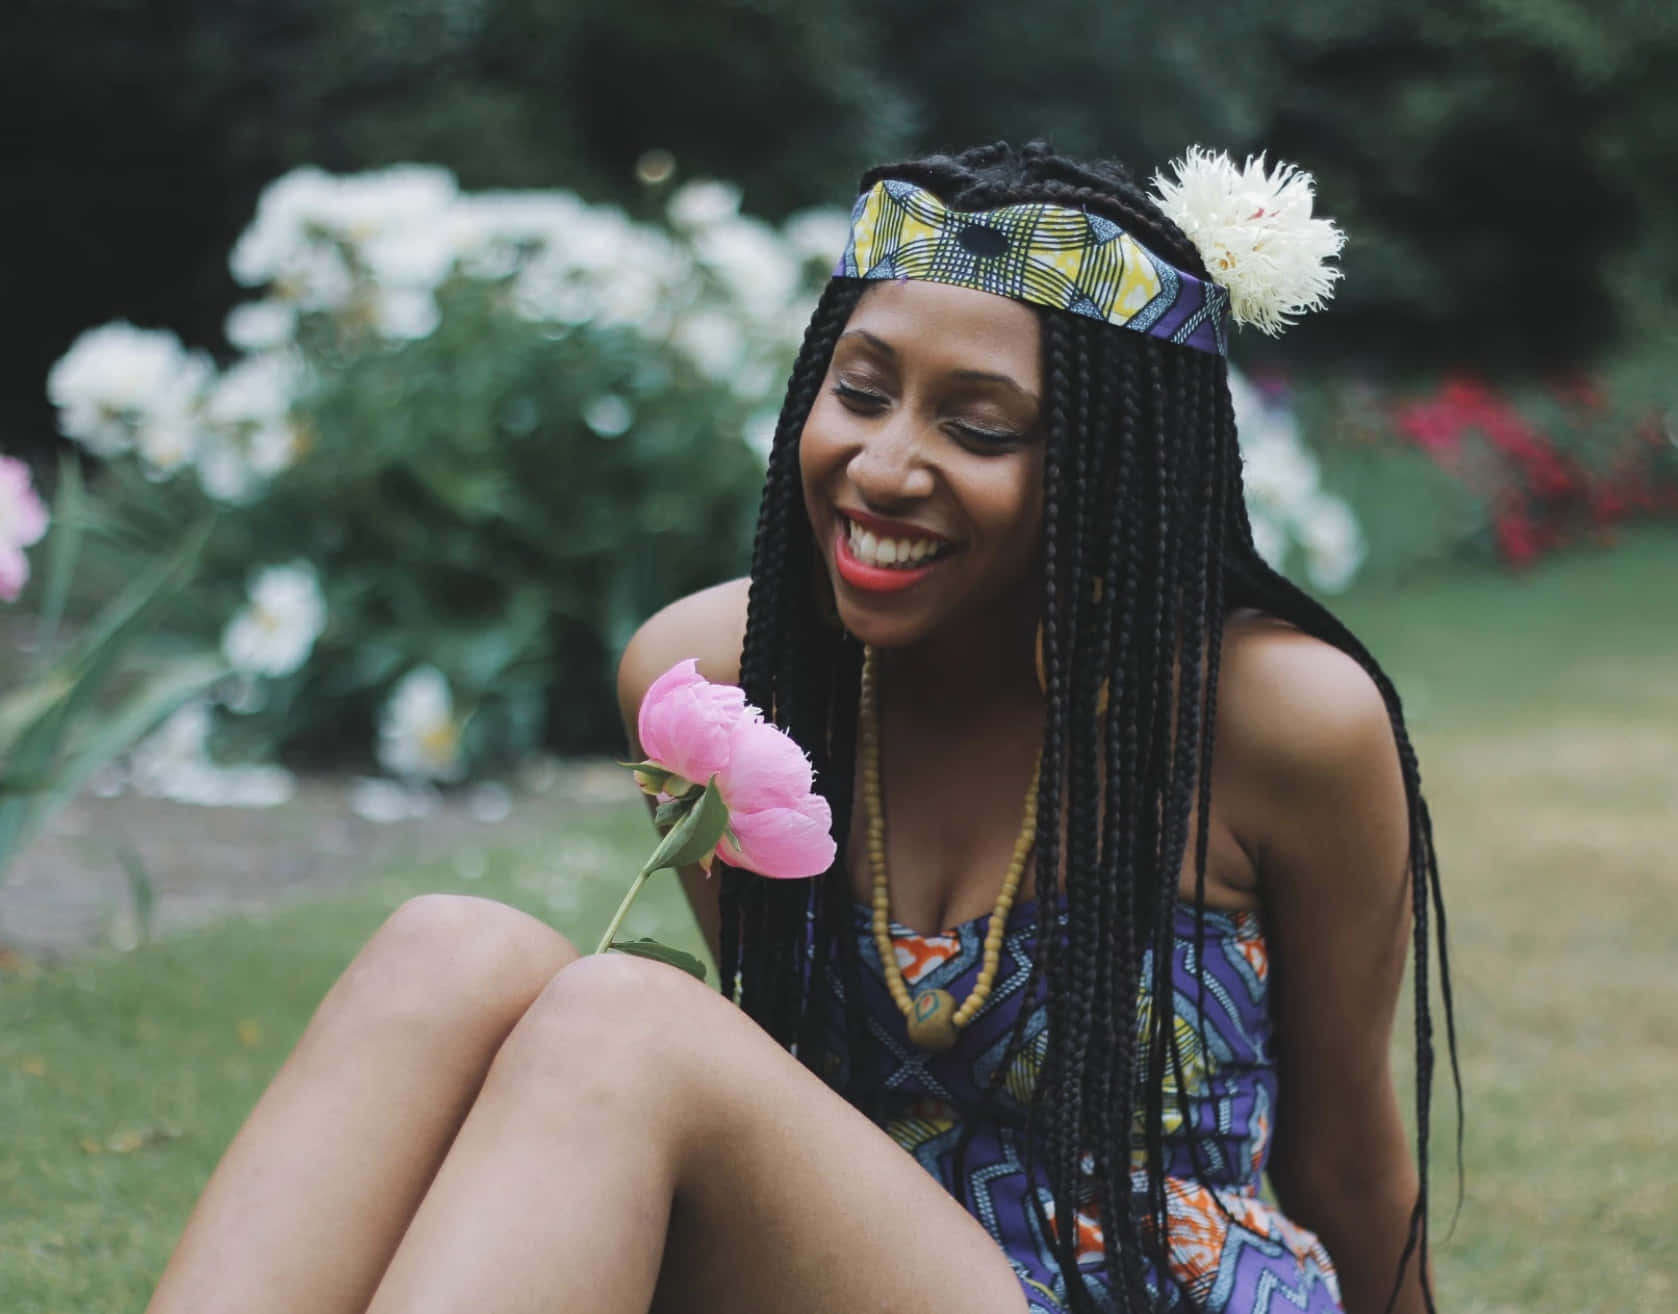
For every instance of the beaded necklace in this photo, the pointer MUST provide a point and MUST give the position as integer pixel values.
(932, 1015)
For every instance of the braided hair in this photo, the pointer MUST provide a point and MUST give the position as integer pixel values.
(1142, 492)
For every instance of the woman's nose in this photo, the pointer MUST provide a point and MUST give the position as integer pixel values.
(890, 465)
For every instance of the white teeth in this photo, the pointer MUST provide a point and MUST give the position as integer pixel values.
(876, 551)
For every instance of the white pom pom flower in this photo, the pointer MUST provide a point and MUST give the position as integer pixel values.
(1254, 229)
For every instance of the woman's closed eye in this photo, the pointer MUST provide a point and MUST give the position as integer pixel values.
(865, 401)
(861, 400)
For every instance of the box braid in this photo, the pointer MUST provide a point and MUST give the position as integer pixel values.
(1142, 488)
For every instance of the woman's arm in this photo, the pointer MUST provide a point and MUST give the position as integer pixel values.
(709, 625)
(1325, 818)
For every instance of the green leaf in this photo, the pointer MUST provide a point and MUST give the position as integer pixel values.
(670, 812)
(24, 707)
(694, 835)
(62, 549)
(662, 953)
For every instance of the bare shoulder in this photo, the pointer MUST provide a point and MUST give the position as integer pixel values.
(1292, 707)
(709, 625)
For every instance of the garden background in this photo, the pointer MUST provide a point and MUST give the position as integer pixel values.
(364, 474)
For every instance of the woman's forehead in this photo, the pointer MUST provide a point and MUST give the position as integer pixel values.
(952, 328)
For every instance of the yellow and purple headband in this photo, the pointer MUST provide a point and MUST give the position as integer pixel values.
(1253, 226)
(1048, 255)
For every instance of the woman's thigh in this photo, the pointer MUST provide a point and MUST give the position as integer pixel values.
(786, 1197)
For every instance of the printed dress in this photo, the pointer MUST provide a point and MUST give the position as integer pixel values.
(1244, 1257)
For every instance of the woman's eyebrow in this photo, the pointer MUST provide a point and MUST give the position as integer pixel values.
(982, 376)
(878, 344)
(885, 349)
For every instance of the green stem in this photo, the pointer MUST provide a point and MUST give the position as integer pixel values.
(623, 909)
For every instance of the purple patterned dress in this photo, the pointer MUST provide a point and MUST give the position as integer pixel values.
(1241, 1258)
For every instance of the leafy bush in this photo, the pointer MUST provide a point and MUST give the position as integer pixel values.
(1462, 468)
(480, 436)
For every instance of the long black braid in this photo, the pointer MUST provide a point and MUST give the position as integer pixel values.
(1146, 548)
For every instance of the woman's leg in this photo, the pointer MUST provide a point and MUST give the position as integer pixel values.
(639, 1143)
(311, 1199)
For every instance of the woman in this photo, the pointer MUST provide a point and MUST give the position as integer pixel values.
(1003, 572)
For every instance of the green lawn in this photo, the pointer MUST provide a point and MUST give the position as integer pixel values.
(1544, 710)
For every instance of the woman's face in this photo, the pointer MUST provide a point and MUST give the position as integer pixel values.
(922, 462)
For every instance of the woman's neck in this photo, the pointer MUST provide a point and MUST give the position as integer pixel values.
(950, 680)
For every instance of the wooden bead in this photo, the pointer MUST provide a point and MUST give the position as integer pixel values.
(932, 1021)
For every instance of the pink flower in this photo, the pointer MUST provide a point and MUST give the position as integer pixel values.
(23, 519)
(686, 722)
(698, 730)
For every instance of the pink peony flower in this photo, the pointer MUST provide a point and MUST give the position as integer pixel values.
(23, 519)
(698, 730)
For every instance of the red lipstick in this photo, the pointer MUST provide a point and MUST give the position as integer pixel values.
(873, 579)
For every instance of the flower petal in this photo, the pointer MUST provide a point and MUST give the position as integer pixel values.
(784, 843)
(766, 769)
(686, 722)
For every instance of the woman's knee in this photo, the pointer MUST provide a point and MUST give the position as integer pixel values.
(641, 1024)
(448, 959)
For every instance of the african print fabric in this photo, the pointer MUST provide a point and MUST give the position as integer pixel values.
(1049, 255)
(1230, 1252)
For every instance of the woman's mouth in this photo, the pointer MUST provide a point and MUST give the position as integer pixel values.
(880, 564)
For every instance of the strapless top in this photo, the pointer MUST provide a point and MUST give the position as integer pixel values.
(965, 1122)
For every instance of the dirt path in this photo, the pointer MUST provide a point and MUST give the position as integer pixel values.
(70, 890)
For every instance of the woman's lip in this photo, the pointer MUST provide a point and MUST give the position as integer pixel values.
(879, 525)
(872, 579)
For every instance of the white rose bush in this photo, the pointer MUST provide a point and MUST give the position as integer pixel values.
(463, 444)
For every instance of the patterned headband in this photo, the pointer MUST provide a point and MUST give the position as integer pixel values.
(1048, 255)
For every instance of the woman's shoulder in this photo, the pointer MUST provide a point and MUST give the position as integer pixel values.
(709, 625)
(1292, 706)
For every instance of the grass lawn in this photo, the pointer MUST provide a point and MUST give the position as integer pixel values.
(1543, 709)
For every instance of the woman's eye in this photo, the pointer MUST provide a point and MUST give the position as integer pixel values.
(983, 437)
(858, 399)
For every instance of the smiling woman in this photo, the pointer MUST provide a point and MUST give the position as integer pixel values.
(1003, 576)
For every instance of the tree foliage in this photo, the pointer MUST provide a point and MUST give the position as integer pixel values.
(1502, 165)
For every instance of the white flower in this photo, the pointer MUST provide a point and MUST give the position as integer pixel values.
(758, 270)
(181, 741)
(818, 235)
(1333, 543)
(492, 233)
(256, 391)
(387, 801)
(1254, 229)
(419, 736)
(287, 209)
(224, 470)
(275, 633)
(167, 444)
(713, 341)
(609, 415)
(1269, 538)
(760, 430)
(1284, 501)
(410, 256)
(406, 314)
(702, 203)
(258, 326)
(117, 380)
(304, 215)
(173, 763)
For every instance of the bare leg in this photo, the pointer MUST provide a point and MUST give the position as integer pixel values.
(311, 1199)
(640, 1142)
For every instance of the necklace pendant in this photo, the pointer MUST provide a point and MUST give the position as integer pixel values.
(932, 1021)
